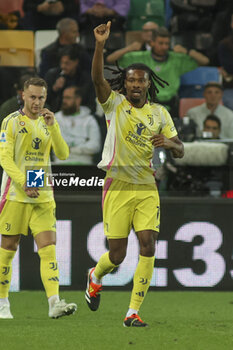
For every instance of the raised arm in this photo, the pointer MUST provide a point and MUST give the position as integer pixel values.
(102, 87)
(201, 59)
(116, 55)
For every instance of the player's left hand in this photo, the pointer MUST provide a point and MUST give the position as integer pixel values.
(48, 116)
(159, 140)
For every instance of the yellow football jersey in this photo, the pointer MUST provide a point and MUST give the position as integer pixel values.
(26, 144)
(128, 151)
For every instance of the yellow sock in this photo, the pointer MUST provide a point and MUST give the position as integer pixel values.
(141, 281)
(6, 257)
(104, 266)
(49, 270)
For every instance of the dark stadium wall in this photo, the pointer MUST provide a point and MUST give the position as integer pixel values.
(194, 251)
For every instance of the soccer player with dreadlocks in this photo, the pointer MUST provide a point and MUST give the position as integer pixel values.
(136, 124)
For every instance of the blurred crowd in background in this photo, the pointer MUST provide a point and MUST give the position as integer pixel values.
(188, 43)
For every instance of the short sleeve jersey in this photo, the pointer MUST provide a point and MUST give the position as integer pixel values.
(128, 151)
(28, 143)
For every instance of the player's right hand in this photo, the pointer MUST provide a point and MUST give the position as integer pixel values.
(32, 192)
(102, 32)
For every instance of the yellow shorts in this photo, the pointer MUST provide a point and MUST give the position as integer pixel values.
(127, 205)
(17, 217)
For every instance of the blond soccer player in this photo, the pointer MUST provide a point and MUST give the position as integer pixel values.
(26, 140)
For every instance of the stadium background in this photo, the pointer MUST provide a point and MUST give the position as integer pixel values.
(193, 252)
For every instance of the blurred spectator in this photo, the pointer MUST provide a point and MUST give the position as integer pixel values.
(225, 56)
(11, 20)
(2, 22)
(8, 77)
(142, 44)
(169, 65)
(79, 128)
(199, 24)
(143, 11)
(70, 72)
(15, 102)
(221, 27)
(12, 6)
(213, 96)
(95, 12)
(211, 127)
(147, 30)
(44, 14)
(68, 33)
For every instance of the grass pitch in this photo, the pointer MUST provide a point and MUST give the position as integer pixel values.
(178, 320)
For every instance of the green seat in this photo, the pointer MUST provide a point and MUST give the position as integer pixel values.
(143, 11)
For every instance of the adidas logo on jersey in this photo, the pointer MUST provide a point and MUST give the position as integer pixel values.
(23, 131)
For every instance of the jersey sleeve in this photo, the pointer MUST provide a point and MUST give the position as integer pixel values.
(168, 127)
(109, 107)
(7, 145)
(109, 104)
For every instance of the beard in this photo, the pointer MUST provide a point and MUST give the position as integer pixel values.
(68, 110)
(135, 99)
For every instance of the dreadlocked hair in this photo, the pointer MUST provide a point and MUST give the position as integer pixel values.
(117, 83)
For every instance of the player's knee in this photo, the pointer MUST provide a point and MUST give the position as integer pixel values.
(147, 242)
(10, 242)
(10, 246)
(117, 257)
(147, 249)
